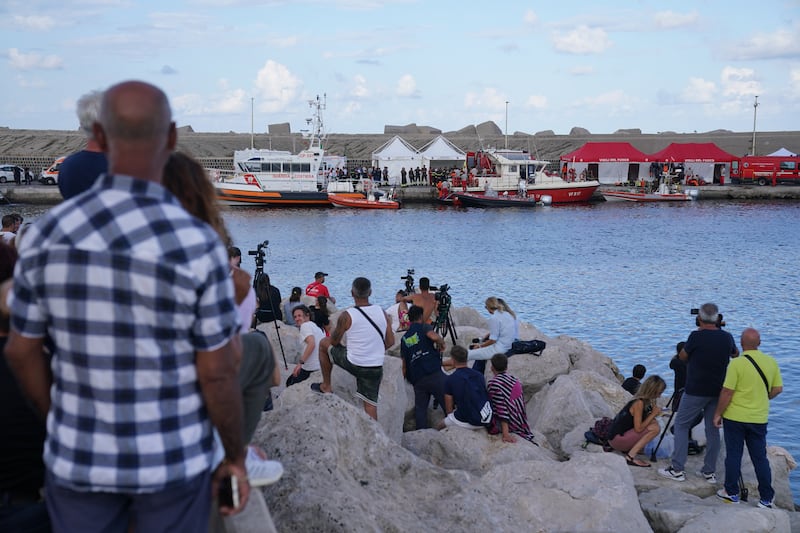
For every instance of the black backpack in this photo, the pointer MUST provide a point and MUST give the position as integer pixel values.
(535, 347)
(600, 433)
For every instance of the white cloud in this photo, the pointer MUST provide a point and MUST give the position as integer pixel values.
(361, 88)
(407, 86)
(699, 91)
(26, 83)
(275, 87)
(34, 22)
(284, 42)
(530, 18)
(230, 101)
(581, 70)
(33, 60)
(489, 100)
(670, 19)
(536, 101)
(794, 83)
(740, 82)
(773, 45)
(582, 40)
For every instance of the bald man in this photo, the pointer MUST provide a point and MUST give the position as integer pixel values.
(145, 333)
(751, 381)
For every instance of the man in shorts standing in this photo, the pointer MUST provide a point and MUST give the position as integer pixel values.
(369, 334)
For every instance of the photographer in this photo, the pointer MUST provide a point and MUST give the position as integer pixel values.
(424, 299)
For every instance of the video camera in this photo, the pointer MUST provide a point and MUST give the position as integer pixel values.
(409, 277)
(259, 252)
(696, 311)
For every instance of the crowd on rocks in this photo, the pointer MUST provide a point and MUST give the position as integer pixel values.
(187, 406)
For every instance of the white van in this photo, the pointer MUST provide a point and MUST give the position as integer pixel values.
(49, 176)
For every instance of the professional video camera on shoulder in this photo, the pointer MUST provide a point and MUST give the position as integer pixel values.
(695, 311)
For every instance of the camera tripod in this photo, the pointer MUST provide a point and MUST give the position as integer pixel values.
(444, 320)
(259, 254)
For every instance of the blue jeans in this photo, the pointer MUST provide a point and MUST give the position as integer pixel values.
(737, 434)
(185, 507)
(690, 407)
(424, 388)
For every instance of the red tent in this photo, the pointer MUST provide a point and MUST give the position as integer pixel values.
(605, 152)
(692, 153)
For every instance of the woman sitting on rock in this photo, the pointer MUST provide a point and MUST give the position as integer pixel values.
(636, 425)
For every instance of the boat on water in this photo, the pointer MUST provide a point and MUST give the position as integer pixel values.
(370, 202)
(468, 199)
(280, 178)
(664, 193)
(517, 172)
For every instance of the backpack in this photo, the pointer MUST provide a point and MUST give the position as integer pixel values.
(600, 433)
(535, 347)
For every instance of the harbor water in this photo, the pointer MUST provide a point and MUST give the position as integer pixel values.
(622, 277)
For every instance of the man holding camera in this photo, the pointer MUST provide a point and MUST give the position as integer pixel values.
(706, 352)
(424, 299)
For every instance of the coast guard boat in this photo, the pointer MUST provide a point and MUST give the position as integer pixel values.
(280, 178)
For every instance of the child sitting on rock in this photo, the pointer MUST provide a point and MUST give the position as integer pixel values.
(508, 405)
(465, 399)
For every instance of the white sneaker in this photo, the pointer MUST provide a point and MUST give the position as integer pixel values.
(711, 478)
(670, 473)
(261, 472)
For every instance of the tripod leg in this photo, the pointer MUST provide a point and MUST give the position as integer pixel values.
(653, 455)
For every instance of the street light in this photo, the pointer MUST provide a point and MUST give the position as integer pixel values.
(755, 109)
(506, 124)
(251, 122)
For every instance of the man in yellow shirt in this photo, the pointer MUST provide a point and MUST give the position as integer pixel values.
(752, 380)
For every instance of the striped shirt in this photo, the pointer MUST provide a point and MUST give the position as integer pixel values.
(129, 287)
(508, 404)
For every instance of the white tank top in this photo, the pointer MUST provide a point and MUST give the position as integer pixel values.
(364, 343)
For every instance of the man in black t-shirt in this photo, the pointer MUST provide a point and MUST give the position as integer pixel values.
(421, 350)
(706, 352)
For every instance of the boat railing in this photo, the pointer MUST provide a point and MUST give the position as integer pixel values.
(218, 175)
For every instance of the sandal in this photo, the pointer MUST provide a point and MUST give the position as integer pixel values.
(317, 387)
(636, 462)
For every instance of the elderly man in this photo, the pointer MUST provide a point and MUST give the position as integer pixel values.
(144, 330)
(369, 334)
(751, 382)
(706, 352)
(80, 170)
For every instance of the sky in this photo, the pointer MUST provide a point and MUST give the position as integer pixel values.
(529, 66)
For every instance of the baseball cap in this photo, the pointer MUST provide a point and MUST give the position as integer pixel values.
(320, 274)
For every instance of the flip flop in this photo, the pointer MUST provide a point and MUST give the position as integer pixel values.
(317, 387)
(632, 462)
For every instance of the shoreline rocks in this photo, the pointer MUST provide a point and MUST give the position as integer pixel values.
(344, 472)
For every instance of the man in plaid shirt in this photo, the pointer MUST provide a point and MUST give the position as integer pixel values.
(136, 296)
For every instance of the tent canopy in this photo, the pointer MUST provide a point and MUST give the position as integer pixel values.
(606, 152)
(692, 153)
(782, 152)
(396, 147)
(442, 149)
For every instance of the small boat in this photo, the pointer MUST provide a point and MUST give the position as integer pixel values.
(486, 200)
(376, 199)
(664, 193)
(516, 172)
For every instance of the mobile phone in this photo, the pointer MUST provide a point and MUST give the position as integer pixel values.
(228, 495)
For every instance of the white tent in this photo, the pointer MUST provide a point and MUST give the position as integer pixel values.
(396, 154)
(782, 152)
(441, 153)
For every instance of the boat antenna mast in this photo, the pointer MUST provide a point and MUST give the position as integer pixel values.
(317, 133)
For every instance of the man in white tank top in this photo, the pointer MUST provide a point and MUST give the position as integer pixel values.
(369, 334)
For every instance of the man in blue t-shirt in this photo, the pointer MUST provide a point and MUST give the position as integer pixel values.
(466, 401)
(706, 352)
(421, 350)
(79, 171)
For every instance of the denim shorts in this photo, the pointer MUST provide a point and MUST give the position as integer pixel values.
(368, 378)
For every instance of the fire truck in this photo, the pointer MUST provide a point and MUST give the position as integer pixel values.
(766, 170)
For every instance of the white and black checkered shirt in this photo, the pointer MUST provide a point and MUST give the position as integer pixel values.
(128, 286)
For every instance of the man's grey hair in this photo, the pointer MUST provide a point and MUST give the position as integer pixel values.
(88, 109)
(709, 313)
(362, 288)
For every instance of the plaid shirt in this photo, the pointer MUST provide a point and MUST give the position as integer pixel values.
(128, 286)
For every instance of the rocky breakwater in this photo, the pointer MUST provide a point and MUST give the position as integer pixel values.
(345, 472)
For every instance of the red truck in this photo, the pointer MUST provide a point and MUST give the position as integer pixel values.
(765, 170)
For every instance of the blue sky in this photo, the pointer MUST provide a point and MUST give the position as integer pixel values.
(603, 65)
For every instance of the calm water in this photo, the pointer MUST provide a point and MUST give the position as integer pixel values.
(622, 277)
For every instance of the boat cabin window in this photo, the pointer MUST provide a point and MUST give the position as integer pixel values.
(787, 165)
(251, 166)
(273, 167)
(512, 168)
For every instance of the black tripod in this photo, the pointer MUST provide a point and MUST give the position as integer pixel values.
(259, 253)
(444, 321)
(677, 393)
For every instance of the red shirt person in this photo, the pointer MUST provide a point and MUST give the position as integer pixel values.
(317, 287)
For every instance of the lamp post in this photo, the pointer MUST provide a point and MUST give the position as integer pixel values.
(251, 122)
(755, 110)
(506, 124)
